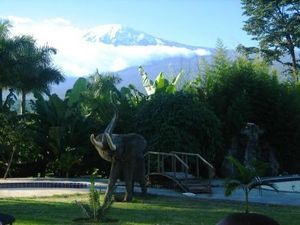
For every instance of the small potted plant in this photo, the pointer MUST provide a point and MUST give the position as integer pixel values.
(247, 179)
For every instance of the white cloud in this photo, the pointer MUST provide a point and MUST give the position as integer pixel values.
(16, 19)
(201, 52)
(78, 57)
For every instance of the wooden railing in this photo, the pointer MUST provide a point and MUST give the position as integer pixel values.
(185, 156)
(155, 163)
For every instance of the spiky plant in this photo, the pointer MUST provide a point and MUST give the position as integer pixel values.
(247, 178)
(95, 211)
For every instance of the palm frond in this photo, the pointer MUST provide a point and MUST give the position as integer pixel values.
(271, 185)
(231, 185)
(258, 183)
(245, 174)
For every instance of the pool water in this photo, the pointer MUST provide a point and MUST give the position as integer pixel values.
(290, 186)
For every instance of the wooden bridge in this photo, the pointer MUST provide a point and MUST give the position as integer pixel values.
(188, 172)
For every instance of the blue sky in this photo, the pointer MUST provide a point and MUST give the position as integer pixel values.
(193, 22)
(63, 24)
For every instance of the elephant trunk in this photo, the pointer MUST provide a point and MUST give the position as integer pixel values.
(109, 129)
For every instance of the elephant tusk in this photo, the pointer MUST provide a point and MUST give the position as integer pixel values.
(110, 143)
(95, 142)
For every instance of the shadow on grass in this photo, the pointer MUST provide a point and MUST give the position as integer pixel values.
(38, 212)
(147, 211)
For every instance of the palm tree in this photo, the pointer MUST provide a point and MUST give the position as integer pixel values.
(247, 178)
(6, 46)
(34, 69)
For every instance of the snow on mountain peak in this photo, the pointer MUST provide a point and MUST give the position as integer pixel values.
(107, 30)
(117, 34)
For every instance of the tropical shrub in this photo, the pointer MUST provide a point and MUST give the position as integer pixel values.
(179, 122)
(16, 144)
(62, 133)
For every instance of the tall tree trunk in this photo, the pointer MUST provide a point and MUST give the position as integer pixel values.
(1, 95)
(9, 162)
(296, 74)
(23, 102)
(294, 63)
(294, 59)
(247, 199)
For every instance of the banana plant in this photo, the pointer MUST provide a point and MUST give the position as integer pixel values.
(62, 130)
(247, 178)
(73, 95)
(161, 84)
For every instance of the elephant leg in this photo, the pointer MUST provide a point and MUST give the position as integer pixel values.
(128, 178)
(143, 186)
(132, 187)
(113, 176)
(142, 178)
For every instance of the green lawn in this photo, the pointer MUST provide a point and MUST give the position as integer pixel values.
(60, 210)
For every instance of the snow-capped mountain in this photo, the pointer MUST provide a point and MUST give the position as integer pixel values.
(117, 34)
(108, 48)
(127, 48)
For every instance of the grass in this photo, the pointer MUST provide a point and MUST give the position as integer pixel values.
(154, 210)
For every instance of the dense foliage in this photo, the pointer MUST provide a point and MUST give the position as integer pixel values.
(179, 122)
(16, 144)
(244, 91)
(248, 91)
(286, 128)
(203, 117)
(62, 134)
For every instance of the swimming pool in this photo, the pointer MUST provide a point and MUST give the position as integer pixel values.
(285, 186)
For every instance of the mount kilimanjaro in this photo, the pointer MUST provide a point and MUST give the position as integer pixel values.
(135, 48)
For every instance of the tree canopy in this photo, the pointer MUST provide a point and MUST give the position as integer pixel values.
(275, 24)
(34, 69)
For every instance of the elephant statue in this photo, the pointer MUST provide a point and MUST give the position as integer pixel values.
(126, 154)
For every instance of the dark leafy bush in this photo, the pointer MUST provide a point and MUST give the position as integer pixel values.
(179, 122)
(248, 91)
(286, 128)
